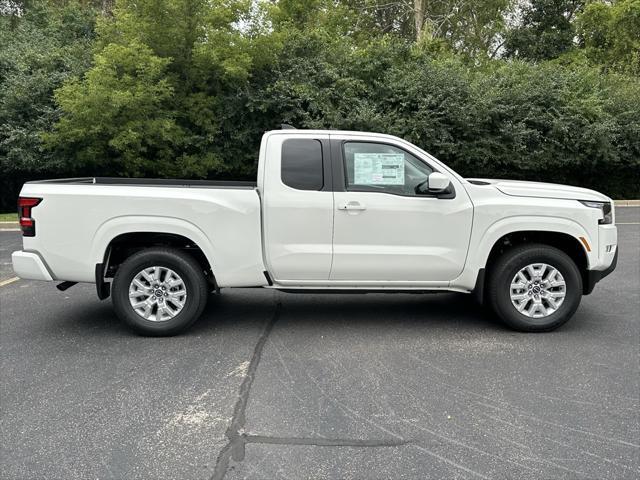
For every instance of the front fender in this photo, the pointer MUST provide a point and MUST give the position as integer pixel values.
(482, 242)
(509, 225)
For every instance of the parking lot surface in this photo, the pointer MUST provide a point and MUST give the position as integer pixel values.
(271, 385)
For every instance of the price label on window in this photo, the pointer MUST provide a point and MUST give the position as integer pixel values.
(378, 168)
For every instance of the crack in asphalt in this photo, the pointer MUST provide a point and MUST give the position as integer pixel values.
(235, 433)
(323, 442)
(238, 439)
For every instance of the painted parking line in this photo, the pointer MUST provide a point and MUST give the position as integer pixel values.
(8, 281)
(9, 229)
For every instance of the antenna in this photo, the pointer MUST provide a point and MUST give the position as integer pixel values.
(286, 126)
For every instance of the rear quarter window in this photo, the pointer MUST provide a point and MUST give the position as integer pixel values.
(301, 164)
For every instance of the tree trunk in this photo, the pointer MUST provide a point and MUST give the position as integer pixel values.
(107, 7)
(418, 12)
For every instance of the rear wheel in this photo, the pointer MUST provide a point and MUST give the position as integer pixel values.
(159, 291)
(534, 288)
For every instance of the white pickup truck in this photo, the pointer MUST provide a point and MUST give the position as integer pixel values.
(332, 211)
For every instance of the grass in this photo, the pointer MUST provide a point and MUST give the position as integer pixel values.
(8, 217)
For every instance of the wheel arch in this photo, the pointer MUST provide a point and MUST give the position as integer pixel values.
(563, 241)
(118, 238)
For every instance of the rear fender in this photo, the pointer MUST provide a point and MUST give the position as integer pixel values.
(152, 224)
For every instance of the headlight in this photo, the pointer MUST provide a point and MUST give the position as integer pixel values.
(607, 212)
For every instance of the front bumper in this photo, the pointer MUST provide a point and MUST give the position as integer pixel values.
(594, 276)
(607, 247)
(29, 265)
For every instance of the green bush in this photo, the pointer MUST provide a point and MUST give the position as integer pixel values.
(546, 122)
(38, 53)
(171, 88)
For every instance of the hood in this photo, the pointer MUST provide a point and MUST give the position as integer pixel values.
(520, 188)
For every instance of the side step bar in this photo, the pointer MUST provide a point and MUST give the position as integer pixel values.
(65, 286)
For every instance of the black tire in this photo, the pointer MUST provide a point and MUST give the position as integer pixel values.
(182, 264)
(507, 266)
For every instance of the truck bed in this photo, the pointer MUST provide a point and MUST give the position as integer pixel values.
(78, 218)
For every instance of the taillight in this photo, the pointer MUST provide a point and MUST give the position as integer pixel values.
(27, 224)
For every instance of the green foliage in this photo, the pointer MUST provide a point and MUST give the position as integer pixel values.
(185, 88)
(153, 101)
(546, 30)
(569, 124)
(610, 35)
(8, 217)
(516, 120)
(120, 112)
(38, 52)
(471, 28)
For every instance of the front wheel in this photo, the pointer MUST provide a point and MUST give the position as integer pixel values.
(159, 291)
(534, 288)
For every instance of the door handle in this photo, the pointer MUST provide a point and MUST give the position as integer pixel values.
(352, 206)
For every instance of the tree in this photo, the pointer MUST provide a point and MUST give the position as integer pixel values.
(468, 27)
(120, 112)
(153, 102)
(41, 46)
(464, 26)
(546, 30)
(610, 35)
(505, 119)
(185, 88)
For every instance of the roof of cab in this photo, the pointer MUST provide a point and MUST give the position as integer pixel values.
(296, 131)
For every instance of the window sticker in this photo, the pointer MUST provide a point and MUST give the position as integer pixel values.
(378, 168)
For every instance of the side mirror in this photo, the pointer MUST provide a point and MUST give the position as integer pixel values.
(437, 183)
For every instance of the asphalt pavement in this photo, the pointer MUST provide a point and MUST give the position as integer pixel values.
(269, 385)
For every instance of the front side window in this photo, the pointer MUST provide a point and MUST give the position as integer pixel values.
(377, 167)
(301, 164)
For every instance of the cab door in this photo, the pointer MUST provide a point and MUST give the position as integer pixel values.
(385, 231)
(298, 207)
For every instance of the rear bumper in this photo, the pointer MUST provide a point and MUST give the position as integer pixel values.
(29, 265)
(594, 276)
